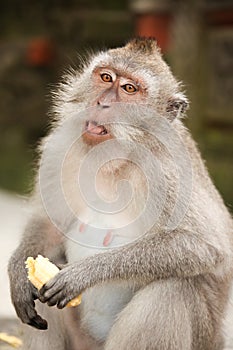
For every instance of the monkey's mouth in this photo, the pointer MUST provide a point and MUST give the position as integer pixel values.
(95, 133)
(92, 127)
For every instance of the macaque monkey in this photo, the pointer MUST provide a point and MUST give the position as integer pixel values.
(160, 284)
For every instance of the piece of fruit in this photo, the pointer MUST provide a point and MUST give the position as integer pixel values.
(11, 340)
(41, 270)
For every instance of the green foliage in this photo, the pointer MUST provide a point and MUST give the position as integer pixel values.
(217, 148)
(16, 162)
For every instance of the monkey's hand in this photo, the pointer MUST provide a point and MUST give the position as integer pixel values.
(23, 295)
(23, 300)
(65, 286)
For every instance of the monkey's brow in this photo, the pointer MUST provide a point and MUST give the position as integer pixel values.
(117, 71)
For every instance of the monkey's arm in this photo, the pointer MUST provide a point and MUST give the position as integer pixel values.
(164, 255)
(39, 238)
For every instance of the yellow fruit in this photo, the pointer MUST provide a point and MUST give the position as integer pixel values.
(41, 270)
(11, 340)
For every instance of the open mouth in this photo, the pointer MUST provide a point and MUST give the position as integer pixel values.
(95, 133)
(95, 129)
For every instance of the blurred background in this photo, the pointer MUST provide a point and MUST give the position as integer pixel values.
(39, 39)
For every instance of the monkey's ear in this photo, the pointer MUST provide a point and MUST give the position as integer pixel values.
(177, 105)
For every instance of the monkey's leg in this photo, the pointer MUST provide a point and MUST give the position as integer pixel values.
(165, 315)
(63, 332)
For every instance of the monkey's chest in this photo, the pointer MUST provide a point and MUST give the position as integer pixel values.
(101, 303)
(100, 231)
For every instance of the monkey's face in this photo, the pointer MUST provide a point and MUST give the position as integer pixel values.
(135, 75)
(110, 86)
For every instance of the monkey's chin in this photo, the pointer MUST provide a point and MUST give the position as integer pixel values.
(92, 139)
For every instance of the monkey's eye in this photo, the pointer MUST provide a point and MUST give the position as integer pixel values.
(129, 88)
(106, 77)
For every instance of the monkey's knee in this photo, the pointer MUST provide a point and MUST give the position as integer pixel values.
(156, 319)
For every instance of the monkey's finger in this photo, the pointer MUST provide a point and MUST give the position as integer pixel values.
(38, 322)
(45, 293)
(55, 299)
(62, 303)
(61, 266)
(48, 285)
(35, 292)
(29, 316)
(33, 319)
(52, 302)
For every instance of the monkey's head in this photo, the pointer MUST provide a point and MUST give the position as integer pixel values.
(129, 98)
(135, 74)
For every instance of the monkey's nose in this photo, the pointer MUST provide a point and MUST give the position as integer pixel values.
(103, 105)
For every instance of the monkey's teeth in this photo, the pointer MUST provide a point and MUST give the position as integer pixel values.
(94, 128)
